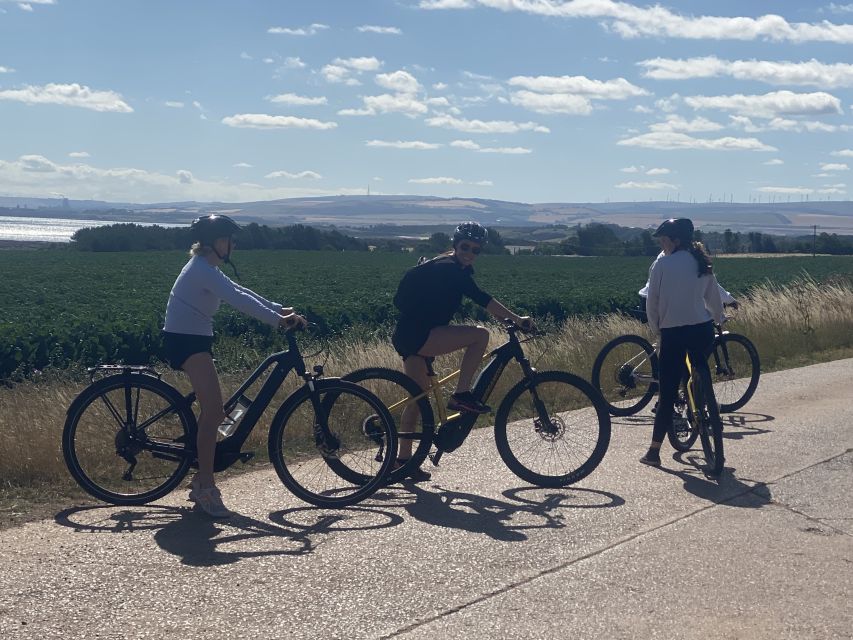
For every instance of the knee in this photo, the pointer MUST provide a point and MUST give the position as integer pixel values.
(481, 335)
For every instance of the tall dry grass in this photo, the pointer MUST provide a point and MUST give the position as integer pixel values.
(796, 324)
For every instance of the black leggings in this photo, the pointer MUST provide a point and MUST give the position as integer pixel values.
(675, 343)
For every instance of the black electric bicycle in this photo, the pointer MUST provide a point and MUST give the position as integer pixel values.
(130, 438)
(551, 429)
(626, 372)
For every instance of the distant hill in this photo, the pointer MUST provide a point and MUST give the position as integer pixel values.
(789, 218)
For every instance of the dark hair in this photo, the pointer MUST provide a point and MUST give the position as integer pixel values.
(703, 260)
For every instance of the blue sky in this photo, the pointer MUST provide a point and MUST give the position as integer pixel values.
(523, 100)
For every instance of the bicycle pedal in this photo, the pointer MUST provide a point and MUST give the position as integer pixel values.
(245, 456)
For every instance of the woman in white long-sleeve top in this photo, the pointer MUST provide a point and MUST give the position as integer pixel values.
(188, 337)
(682, 305)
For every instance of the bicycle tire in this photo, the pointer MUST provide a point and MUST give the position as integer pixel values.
(391, 387)
(92, 450)
(708, 421)
(732, 388)
(294, 453)
(616, 380)
(581, 421)
(681, 438)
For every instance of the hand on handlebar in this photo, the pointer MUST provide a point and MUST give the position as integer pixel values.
(292, 322)
(526, 324)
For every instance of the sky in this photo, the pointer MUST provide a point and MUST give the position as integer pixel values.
(523, 100)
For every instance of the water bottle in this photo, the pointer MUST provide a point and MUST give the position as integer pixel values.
(229, 425)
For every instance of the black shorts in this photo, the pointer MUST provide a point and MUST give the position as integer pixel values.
(409, 336)
(177, 347)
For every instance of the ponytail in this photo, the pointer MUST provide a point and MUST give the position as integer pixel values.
(703, 260)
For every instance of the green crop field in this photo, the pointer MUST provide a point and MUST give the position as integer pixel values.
(62, 306)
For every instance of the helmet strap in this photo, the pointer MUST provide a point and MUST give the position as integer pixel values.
(226, 258)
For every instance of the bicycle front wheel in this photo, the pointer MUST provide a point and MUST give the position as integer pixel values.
(708, 423)
(414, 420)
(553, 429)
(125, 439)
(316, 436)
(626, 372)
(735, 369)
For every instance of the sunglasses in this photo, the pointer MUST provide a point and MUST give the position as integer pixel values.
(470, 248)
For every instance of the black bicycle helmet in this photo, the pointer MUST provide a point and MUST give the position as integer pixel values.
(471, 231)
(208, 228)
(681, 228)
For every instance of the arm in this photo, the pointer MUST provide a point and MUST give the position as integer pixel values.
(500, 312)
(713, 298)
(653, 299)
(242, 299)
(726, 296)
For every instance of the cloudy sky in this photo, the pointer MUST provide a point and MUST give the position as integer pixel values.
(523, 100)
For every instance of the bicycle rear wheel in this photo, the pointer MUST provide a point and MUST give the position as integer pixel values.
(625, 372)
(553, 429)
(708, 421)
(393, 388)
(735, 369)
(683, 432)
(125, 439)
(351, 418)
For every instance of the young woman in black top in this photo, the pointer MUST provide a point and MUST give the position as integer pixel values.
(427, 297)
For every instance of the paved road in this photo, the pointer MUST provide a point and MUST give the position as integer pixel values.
(632, 552)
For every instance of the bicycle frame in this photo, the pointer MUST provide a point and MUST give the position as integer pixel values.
(483, 385)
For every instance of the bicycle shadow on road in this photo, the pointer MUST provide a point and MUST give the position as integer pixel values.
(503, 520)
(738, 425)
(201, 541)
(720, 489)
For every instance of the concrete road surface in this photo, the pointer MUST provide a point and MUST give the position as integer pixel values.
(631, 552)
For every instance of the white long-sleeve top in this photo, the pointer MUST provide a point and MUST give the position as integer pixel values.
(200, 289)
(677, 297)
(644, 292)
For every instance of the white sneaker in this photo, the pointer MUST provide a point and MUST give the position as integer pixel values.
(209, 500)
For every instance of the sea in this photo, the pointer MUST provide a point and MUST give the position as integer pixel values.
(23, 229)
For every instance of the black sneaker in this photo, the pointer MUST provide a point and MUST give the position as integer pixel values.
(466, 402)
(652, 458)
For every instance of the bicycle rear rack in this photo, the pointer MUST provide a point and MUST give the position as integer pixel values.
(127, 369)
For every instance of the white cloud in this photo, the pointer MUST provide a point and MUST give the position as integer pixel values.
(782, 124)
(245, 56)
(786, 190)
(484, 126)
(404, 103)
(313, 175)
(630, 169)
(36, 175)
(658, 172)
(668, 140)
(7, 70)
(641, 109)
(174, 104)
(770, 105)
(291, 62)
(369, 28)
(311, 30)
(631, 21)
(840, 8)
(552, 103)
(843, 153)
(242, 165)
(293, 99)
(440, 180)
(618, 89)
(646, 185)
(79, 154)
(483, 183)
(677, 123)
(341, 70)
(399, 81)
(812, 73)
(440, 101)
(69, 95)
(473, 146)
(669, 104)
(774, 162)
(403, 144)
(439, 86)
(265, 121)
(833, 166)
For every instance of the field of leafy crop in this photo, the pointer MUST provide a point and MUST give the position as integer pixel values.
(61, 306)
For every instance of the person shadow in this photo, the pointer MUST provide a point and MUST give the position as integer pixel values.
(739, 425)
(201, 541)
(503, 520)
(725, 488)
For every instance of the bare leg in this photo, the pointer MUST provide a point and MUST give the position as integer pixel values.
(202, 373)
(416, 369)
(450, 338)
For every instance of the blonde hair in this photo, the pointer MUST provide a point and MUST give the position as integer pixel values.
(199, 249)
